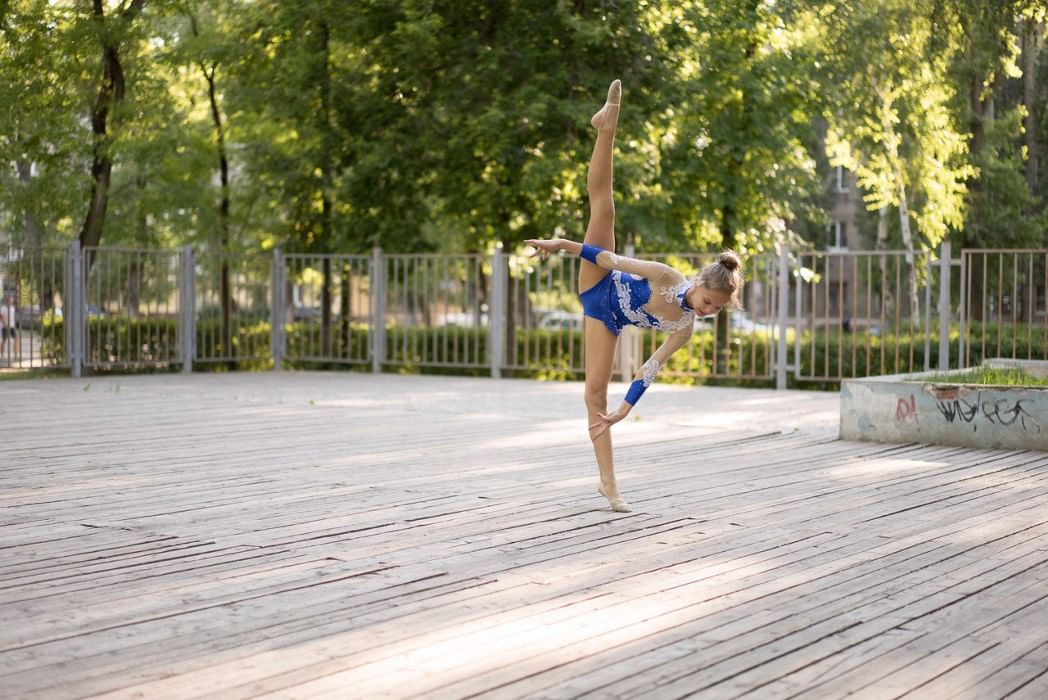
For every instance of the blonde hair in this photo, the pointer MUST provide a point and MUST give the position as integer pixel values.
(724, 275)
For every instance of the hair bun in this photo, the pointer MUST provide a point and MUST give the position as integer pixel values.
(729, 260)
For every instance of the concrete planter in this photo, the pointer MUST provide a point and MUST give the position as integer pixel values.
(906, 408)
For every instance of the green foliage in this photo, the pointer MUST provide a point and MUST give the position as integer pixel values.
(548, 354)
(438, 125)
(1003, 212)
(891, 121)
(990, 376)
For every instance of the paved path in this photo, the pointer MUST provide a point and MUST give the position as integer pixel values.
(344, 535)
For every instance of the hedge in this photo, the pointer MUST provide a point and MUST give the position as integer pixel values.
(542, 354)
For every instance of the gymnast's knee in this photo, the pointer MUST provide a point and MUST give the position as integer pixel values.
(596, 402)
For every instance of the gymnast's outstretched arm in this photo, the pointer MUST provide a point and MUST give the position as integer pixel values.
(648, 269)
(645, 376)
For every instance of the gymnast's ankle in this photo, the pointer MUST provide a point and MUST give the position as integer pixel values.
(617, 502)
(608, 115)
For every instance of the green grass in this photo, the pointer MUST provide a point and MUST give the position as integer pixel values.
(986, 375)
(35, 373)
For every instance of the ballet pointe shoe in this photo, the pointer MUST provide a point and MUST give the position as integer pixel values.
(618, 505)
(608, 115)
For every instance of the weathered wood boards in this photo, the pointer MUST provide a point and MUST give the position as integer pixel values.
(344, 535)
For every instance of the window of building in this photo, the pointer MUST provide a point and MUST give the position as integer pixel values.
(841, 184)
(836, 236)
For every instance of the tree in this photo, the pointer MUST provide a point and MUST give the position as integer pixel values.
(1001, 208)
(112, 33)
(40, 135)
(892, 125)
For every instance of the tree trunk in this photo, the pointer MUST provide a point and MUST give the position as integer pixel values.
(223, 247)
(1030, 51)
(907, 240)
(976, 126)
(34, 236)
(345, 312)
(134, 287)
(134, 271)
(226, 300)
(327, 180)
(110, 94)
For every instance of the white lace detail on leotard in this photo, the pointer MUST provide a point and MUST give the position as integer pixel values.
(683, 322)
(636, 317)
(650, 369)
(671, 294)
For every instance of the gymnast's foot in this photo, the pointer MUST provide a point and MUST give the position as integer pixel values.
(608, 116)
(618, 504)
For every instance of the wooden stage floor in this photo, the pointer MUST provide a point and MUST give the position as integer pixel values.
(344, 535)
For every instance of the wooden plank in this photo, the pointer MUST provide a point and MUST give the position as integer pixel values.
(291, 534)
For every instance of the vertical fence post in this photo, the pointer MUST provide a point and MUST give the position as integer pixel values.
(783, 287)
(187, 309)
(927, 332)
(74, 309)
(497, 311)
(378, 309)
(276, 309)
(944, 305)
(962, 314)
(67, 287)
(798, 313)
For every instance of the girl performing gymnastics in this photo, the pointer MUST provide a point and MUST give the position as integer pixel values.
(617, 291)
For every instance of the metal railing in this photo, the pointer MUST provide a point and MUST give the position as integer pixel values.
(818, 316)
(327, 308)
(232, 307)
(33, 284)
(435, 310)
(542, 317)
(863, 313)
(1004, 310)
(130, 306)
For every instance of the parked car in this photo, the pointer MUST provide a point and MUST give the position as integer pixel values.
(740, 323)
(560, 320)
(305, 313)
(461, 319)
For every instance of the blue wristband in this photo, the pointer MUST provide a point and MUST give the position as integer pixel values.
(635, 392)
(590, 252)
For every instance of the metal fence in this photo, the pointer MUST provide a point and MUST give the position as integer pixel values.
(33, 284)
(815, 316)
(436, 310)
(233, 314)
(1004, 311)
(129, 315)
(327, 308)
(864, 314)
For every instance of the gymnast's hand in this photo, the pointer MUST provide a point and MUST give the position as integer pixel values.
(543, 248)
(609, 419)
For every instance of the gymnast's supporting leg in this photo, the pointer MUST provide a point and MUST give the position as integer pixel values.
(600, 342)
(600, 358)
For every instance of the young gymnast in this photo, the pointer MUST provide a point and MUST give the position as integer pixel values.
(617, 291)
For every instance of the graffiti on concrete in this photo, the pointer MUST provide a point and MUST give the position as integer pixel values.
(906, 410)
(1005, 412)
(959, 409)
(1000, 412)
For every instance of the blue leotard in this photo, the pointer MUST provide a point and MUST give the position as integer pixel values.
(617, 300)
(622, 299)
